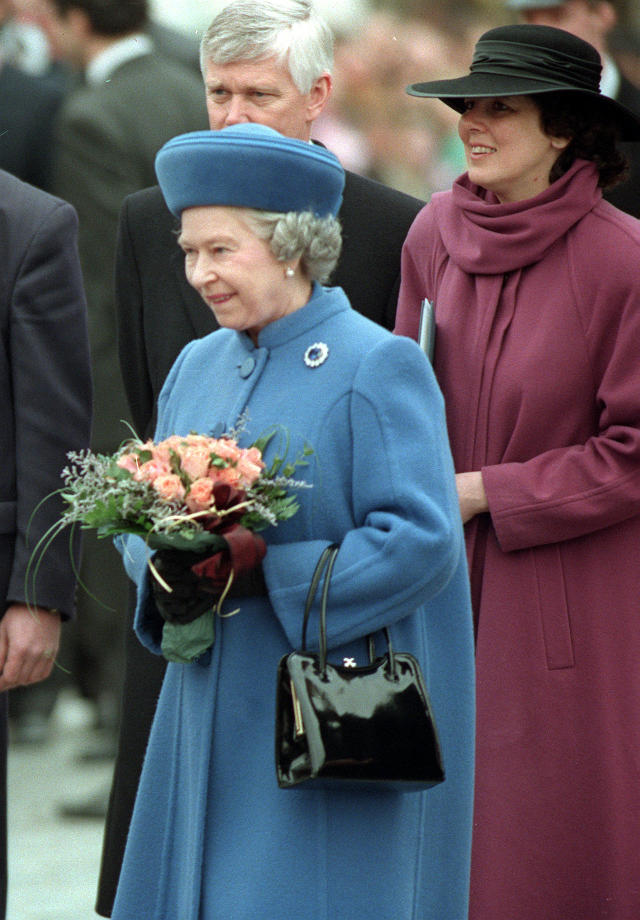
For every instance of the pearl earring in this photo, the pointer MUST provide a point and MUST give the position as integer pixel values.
(289, 272)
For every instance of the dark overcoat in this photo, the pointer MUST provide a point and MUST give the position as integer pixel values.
(537, 356)
(45, 409)
(27, 115)
(158, 313)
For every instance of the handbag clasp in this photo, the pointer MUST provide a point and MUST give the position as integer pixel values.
(297, 713)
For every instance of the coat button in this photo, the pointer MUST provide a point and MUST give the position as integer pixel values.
(247, 367)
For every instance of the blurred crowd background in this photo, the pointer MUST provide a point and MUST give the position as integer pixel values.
(382, 46)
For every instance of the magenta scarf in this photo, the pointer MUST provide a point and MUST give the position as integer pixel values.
(484, 237)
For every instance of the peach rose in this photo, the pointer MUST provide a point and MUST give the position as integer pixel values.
(198, 440)
(149, 471)
(162, 450)
(195, 460)
(227, 450)
(230, 476)
(128, 462)
(200, 493)
(250, 466)
(160, 454)
(169, 487)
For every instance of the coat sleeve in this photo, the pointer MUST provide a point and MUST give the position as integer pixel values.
(407, 540)
(130, 324)
(147, 622)
(416, 271)
(51, 398)
(135, 553)
(581, 488)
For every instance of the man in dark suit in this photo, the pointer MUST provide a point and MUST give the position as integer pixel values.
(46, 412)
(159, 313)
(29, 106)
(108, 130)
(31, 90)
(593, 20)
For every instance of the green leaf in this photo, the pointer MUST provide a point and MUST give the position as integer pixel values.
(262, 442)
(190, 541)
(183, 642)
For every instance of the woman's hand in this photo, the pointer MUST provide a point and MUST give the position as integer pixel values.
(471, 495)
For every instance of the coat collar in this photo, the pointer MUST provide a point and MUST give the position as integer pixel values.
(323, 303)
(484, 237)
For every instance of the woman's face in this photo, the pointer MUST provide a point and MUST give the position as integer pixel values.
(235, 272)
(506, 149)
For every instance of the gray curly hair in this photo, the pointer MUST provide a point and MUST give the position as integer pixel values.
(316, 241)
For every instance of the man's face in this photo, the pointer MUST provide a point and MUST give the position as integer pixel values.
(591, 23)
(262, 92)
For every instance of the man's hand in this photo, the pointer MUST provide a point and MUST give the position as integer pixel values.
(29, 640)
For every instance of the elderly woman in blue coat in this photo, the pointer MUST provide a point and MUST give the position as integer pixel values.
(213, 837)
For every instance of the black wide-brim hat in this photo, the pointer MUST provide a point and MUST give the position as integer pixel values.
(526, 60)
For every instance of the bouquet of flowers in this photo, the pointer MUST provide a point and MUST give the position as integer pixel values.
(206, 498)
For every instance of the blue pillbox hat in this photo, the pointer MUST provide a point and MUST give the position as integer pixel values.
(250, 166)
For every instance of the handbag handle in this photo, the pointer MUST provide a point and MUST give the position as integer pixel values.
(325, 564)
(328, 556)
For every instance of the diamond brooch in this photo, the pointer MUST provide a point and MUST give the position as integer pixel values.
(316, 354)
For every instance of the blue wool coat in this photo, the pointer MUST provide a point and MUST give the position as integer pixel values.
(212, 836)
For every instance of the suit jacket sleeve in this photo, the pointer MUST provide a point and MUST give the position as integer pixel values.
(51, 399)
(132, 351)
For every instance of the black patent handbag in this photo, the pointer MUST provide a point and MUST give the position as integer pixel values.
(344, 723)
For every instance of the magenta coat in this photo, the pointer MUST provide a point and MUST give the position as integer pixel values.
(538, 355)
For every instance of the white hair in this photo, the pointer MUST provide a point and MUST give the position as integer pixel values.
(289, 30)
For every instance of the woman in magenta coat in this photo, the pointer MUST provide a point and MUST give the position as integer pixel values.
(535, 282)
